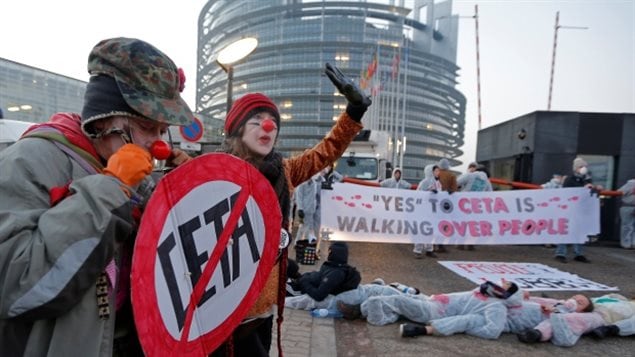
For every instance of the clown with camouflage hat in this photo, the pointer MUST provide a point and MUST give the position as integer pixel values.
(70, 206)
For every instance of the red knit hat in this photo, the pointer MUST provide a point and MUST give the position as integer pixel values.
(245, 107)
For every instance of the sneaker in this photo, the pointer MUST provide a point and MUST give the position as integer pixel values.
(605, 331)
(411, 330)
(561, 258)
(431, 255)
(581, 258)
(529, 336)
(349, 312)
(418, 256)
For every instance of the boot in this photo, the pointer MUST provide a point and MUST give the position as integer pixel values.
(411, 330)
(605, 331)
(529, 336)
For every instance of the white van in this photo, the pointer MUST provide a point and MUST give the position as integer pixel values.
(11, 130)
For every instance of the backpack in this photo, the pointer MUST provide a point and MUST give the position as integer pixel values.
(352, 280)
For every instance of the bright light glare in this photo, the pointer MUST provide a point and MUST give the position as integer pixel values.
(236, 51)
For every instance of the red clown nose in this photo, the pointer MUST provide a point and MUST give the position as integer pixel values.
(160, 150)
(268, 125)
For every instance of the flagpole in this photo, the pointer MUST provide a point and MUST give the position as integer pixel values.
(403, 111)
(393, 124)
(396, 74)
(380, 122)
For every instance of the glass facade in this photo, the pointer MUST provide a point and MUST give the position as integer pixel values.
(33, 95)
(402, 53)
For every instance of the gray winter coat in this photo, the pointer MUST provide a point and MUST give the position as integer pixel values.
(52, 256)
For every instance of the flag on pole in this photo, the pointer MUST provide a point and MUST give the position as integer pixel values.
(367, 74)
(395, 65)
(363, 81)
(372, 67)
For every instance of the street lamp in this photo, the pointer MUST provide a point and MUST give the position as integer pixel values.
(553, 56)
(231, 54)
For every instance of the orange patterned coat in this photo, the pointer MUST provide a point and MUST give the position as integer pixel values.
(298, 169)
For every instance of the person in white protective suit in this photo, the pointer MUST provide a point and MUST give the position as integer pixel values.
(555, 182)
(533, 310)
(395, 181)
(480, 312)
(474, 180)
(352, 297)
(627, 215)
(565, 329)
(524, 314)
(620, 317)
(575, 310)
(431, 183)
(307, 199)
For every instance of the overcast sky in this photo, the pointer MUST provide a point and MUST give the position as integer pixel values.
(594, 71)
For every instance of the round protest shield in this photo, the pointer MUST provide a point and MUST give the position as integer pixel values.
(207, 242)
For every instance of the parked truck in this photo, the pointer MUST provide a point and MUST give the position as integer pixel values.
(367, 157)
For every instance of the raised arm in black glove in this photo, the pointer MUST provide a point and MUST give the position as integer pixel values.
(358, 101)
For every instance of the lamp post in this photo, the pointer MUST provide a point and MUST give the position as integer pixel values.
(231, 54)
(553, 56)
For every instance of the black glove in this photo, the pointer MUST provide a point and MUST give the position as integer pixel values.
(327, 185)
(434, 191)
(300, 213)
(595, 191)
(358, 101)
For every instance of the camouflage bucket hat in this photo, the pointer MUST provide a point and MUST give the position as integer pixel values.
(147, 78)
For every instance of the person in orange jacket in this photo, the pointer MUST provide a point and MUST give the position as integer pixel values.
(252, 127)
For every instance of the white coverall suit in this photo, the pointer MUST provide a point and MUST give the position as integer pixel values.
(469, 312)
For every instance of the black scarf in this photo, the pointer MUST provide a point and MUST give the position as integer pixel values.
(272, 168)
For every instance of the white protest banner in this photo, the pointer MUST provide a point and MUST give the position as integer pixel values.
(528, 276)
(359, 213)
(206, 245)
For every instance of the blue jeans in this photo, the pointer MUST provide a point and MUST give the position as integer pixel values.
(561, 249)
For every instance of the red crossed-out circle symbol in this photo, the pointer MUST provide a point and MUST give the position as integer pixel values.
(206, 244)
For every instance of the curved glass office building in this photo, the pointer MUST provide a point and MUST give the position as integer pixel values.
(402, 52)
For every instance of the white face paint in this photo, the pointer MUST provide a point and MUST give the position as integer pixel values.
(583, 170)
(258, 140)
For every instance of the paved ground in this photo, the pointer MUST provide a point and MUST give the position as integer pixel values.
(304, 335)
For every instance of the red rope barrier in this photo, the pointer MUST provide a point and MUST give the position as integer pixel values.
(514, 184)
